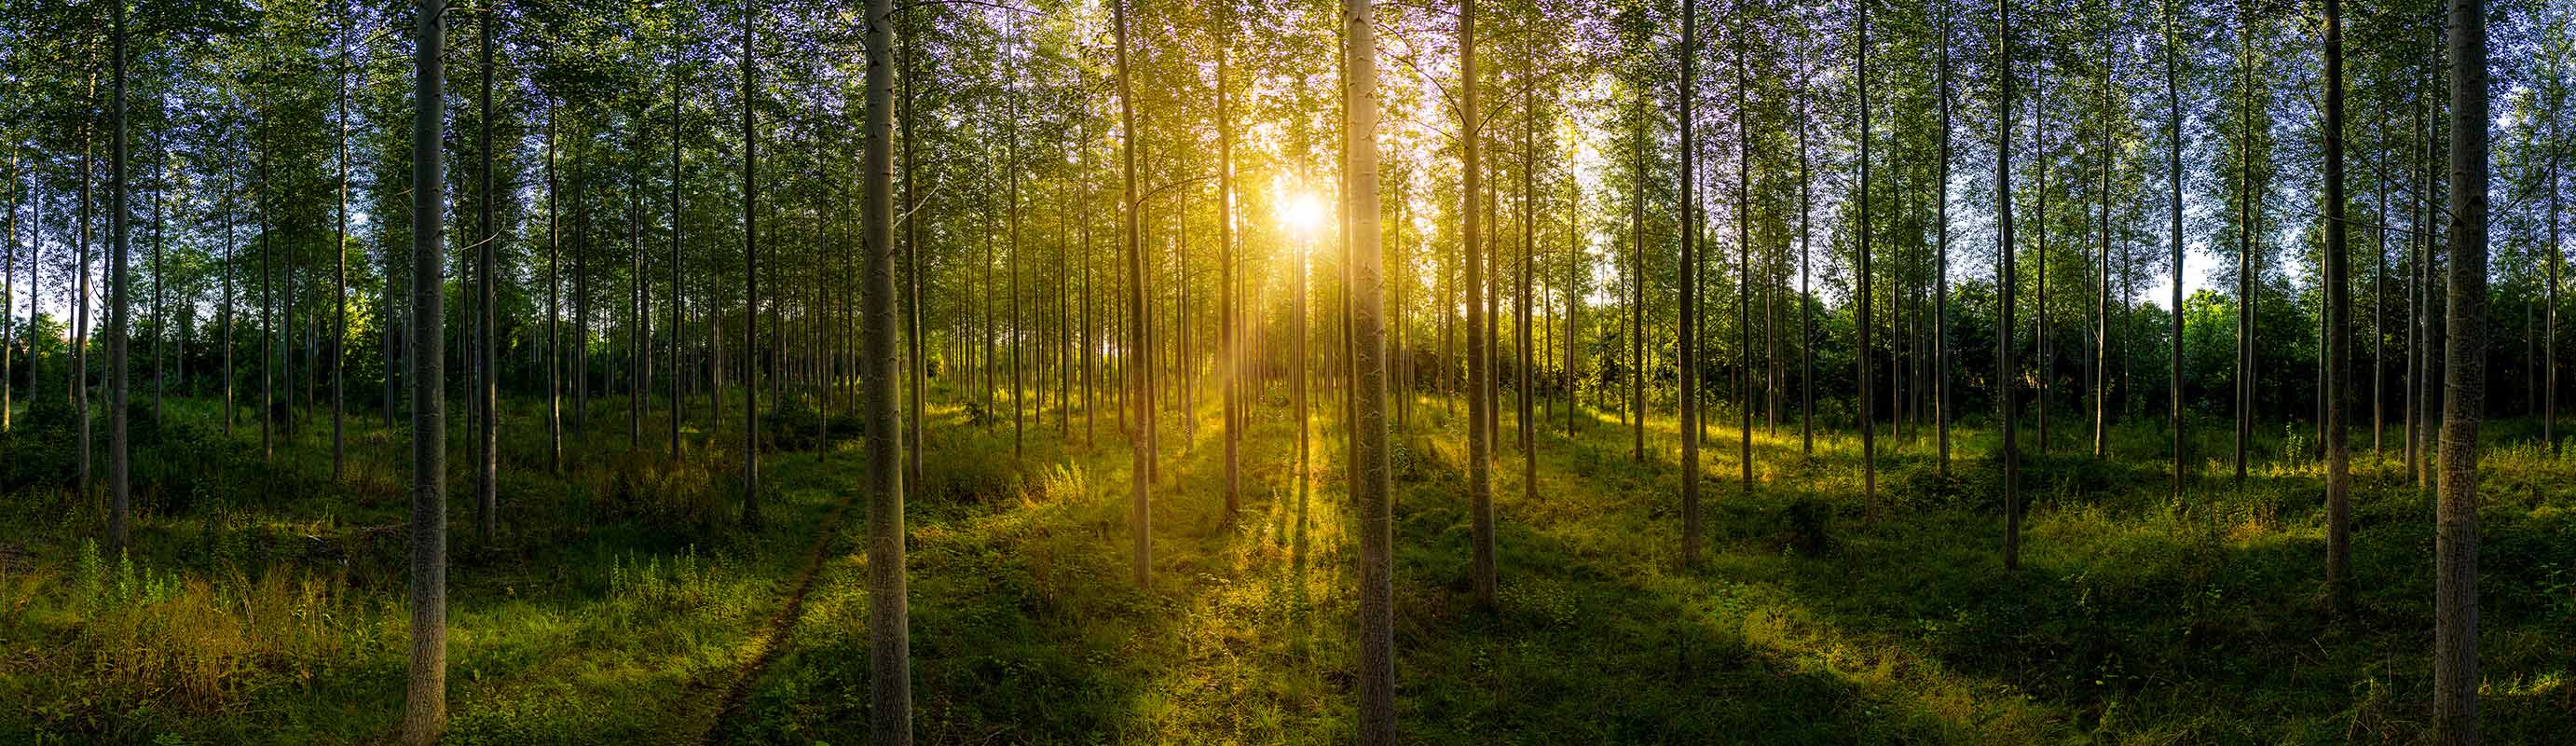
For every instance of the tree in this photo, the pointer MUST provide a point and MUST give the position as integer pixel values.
(1227, 322)
(1372, 485)
(2338, 291)
(1941, 298)
(2005, 282)
(1744, 261)
(425, 700)
(339, 264)
(118, 447)
(2455, 603)
(889, 639)
(1480, 403)
(2173, 177)
(554, 334)
(1862, 278)
(1140, 467)
(487, 385)
(750, 286)
(1688, 346)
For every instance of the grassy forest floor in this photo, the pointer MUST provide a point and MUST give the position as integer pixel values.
(622, 603)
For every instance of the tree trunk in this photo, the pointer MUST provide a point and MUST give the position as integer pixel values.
(339, 275)
(675, 301)
(750, 288)
(1140, 466)
(2338, 292)
(1806, 284)
(1688, 345)
(1863, 321)
(1637, 298)
(2173, 177)
(120, 498)
(2248, 224)
(1226, 301)
(554, 336)
(1480, 405)
(2004, 393)
(1941, 283)
(487, 387)
(425, 699)
(1372, 487)
(889, 641)
(2455, 605)
(1744, 266)
(2101, 368)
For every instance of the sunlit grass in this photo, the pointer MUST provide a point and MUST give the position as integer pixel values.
(623, 599)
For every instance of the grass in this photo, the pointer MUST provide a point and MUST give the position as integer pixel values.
(622, 602)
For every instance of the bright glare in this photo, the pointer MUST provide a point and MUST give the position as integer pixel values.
(1301, 213)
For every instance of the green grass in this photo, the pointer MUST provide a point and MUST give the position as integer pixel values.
(622, 600)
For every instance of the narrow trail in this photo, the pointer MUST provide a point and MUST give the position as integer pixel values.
(773, 635)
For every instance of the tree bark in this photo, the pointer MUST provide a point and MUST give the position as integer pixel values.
(119, 453)
(889, 637)
(487, 457)
(1480, 405)
(2004, 393)
(425, 699)
(2338, 291)
(2455, 605)
(1372, 485)
(1687, 347)
(1141, 463)
(750, 287)
(1863, 321)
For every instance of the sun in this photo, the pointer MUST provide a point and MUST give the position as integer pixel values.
(1301, 213)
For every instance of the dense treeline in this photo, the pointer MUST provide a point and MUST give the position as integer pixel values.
(1139, 219)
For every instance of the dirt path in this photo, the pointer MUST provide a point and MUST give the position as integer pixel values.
(773, 635)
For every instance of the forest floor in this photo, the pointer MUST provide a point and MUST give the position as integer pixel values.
(622, 602)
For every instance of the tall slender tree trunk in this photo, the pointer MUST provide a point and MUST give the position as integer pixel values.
(9, 289)
(118, 447)
(1688, 345)
(917, 366)
(487, 387)
(2101, 368)
(79, 379)
(2548, 406)
(1744, 268)
(750, 286)
(676, 301)
(1480, 405)
(2455, 605)
(1806, 286)
(224, 314)
(339, 273)
(1863, 321)
(1941, 238)
(2173, 181)
(1529, 252)
(2338, 292)
(1372, 486)
(1140, 476)
(2248, 224)
(1637, 298)
(2004, 368)
(2046, 364)
(425, 699)
(268, 325)
(1019, 428)
(554, 335)
(1226, 301)
(889, 640)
